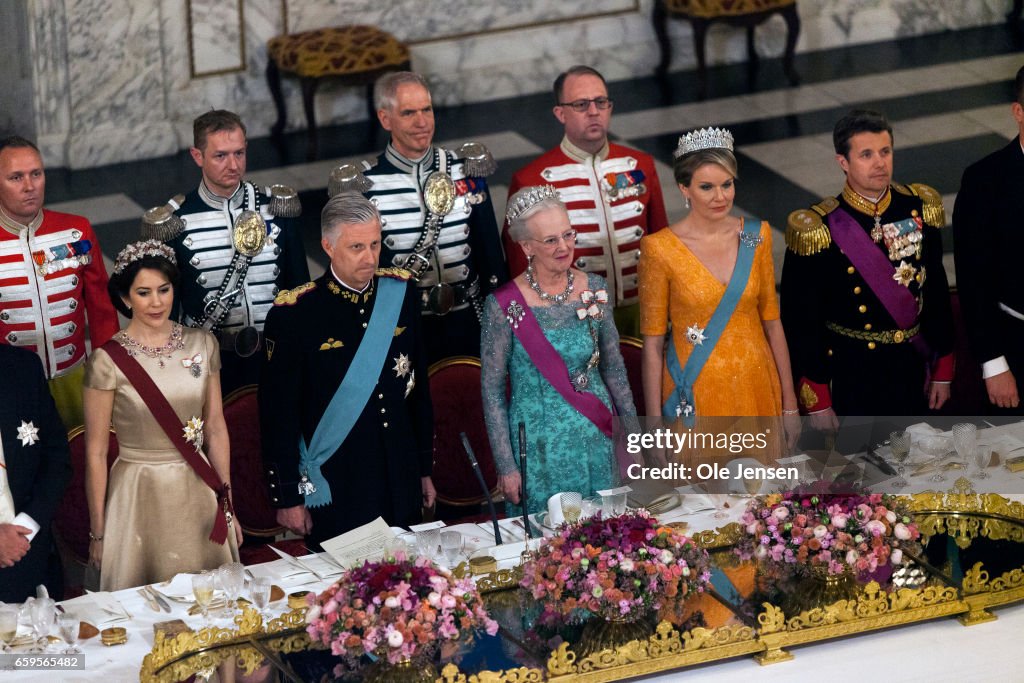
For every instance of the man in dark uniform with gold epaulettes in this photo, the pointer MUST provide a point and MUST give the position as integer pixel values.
(865, 301)
(335, 357)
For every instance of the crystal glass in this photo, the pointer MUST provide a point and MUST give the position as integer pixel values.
(572, 506)
(8, 626)
(452, 544)
(68, 627)
(982, 457)
(965, 440)
(232, 580)
(590, 507)
(427, 542)
(614, 504)
(42, 614)
(259, 591)
(899, 444)
(202, 589)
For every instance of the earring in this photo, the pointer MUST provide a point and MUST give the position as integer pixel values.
(686, 200)
(129, 306)
(529, 261)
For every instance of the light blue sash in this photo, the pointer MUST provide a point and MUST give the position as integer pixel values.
(354, 391)
(680, 401)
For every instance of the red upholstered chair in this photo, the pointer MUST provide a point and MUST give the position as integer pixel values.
(71, 521)
(249, 489)
(632, 355)
(458, 407)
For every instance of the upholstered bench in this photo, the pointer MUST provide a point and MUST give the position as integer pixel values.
(702, 13)
(354, 55)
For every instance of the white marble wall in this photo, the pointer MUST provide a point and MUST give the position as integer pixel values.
(112, 80)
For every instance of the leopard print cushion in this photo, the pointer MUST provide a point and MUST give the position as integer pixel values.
(340, 51)
(710, 9)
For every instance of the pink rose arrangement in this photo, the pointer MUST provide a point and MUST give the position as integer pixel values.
(859, 532)
(619, 568)
(398, 609)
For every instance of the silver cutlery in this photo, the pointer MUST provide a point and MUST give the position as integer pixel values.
(158, 598)
(149, 600)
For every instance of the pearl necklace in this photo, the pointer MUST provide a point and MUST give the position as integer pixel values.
(557, 298)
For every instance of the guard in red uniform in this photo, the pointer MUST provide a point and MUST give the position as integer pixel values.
(52, 278)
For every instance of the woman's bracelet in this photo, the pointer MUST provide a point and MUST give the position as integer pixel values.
(795, 411)
(94, 537)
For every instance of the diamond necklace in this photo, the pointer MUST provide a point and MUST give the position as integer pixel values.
(557, 298)
(174, 343)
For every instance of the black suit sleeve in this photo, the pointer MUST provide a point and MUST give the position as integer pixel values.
(804, 303)
(279, 400)
(292, 261)
(976, 279)
(51, 451)
(485, 241)
(937, 311)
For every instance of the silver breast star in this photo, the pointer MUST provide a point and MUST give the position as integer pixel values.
(28, 433)
(402, 365)
(695, 334)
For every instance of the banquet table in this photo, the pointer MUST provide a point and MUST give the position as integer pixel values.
(937, 650)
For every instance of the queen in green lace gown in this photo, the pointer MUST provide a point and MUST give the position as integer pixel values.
(565, 450)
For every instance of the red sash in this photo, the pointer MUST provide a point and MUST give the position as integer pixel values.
(171, 424)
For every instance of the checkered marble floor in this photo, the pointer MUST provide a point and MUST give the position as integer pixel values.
(947, 96)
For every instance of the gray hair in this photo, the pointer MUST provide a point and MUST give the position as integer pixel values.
(517, 228)
(385, 90)
(346, 208)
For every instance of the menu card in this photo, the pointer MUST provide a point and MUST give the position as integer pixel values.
(353, 548)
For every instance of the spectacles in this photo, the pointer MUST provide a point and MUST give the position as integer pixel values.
(552, 242)
(584, 105)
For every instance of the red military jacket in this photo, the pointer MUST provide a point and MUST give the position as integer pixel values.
(52, 278)
(613, 198)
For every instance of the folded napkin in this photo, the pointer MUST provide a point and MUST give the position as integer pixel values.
(101, 609)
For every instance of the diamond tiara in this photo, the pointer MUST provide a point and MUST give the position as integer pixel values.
(137, 250)
(705, 138)
(527, 198)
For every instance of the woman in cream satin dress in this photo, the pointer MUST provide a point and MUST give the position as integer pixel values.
(152, 518)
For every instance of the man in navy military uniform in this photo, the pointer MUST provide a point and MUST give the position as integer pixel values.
(865, 301)
(34, 469)
(436, 215)
(346, 375)
(237, 246)
(987, 242)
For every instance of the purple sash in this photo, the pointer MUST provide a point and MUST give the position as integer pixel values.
(550, 363)
(877, 270)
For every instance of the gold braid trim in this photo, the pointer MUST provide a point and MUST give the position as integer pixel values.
(806, 233)
(933, 212)
(288, 297)
(396, 273)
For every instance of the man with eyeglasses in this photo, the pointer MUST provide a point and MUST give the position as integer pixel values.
(436, 214)
(611, 191)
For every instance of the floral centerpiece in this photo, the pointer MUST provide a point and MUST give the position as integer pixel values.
(621, 568)
(835, 533)
(398, 609)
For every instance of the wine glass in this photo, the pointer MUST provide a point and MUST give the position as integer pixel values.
(259, 591)
(982, 456)
(427, 541)
(202, 589)
(572, 506)
(232, 580)
(452, 544)
(965, 440)
(8, 626)
(42, 614)
(899, 444)
(67, 625)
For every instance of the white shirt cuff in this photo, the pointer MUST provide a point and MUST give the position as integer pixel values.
(994, 367)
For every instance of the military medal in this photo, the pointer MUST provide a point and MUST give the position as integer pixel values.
(904, 274)
(695, 334)
(402, 365)
(28, 433)
(306, 487)
(684, 409)
(193, 430)
(194, 365)
(249, 233)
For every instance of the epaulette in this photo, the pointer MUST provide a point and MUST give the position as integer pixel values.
(806, 233)
(288, 297)
(477, 160)
(396, 273)
(284, 202)
(160, 222)
(350, 178)
(932, 210)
